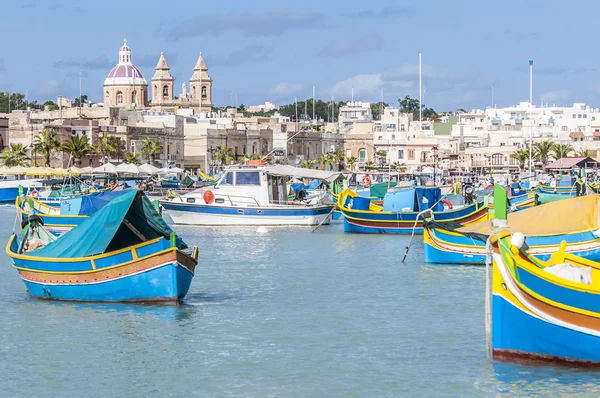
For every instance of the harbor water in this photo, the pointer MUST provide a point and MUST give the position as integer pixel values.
(274, 312)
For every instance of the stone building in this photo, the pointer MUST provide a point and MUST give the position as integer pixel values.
(125, 87)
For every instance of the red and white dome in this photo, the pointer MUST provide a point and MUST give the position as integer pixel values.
(125, 73)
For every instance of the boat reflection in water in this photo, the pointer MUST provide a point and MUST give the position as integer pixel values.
(123, 252)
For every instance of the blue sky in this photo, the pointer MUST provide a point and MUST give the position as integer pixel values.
(275, 51)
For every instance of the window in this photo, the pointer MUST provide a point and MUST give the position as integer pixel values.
(119, 97)
(203, 91)
(579, 116)
(400, 153)
(393, 137)
(392, 114)
(227, 179)
(362, 155)
(133, 98)
(190, 200)
(497, 159)
(380, 137)
(165, 91)
(564, 128)
(574, 116)
(585, 116)
(402, 128)
(247, 178)
(411, 154)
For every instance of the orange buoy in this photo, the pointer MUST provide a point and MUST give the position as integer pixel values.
(208, 197)
(447, 203)
(366, 181)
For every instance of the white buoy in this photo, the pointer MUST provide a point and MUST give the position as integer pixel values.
(262, 230)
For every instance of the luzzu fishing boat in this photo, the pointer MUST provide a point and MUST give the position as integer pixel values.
(68, 213)
(251, 196)
(124, 252)
(575, 221)
(10, 189)
(548, 311)
(400, 211)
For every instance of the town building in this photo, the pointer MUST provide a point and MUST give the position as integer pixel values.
(125, 87)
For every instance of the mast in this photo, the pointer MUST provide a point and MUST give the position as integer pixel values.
(420, 98)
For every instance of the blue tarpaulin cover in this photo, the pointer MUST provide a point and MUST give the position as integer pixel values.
(399, 199)
(428, 197)
(106, 230)
(88, 204)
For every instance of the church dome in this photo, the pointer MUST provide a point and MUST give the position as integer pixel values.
(125, 73)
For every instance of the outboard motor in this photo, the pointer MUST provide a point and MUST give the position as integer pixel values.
(301, 195)
(469, 193)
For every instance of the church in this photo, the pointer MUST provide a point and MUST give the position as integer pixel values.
(126, 87)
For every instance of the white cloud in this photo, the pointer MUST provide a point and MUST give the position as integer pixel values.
(556, 96)
(285, 90)
(50, 87)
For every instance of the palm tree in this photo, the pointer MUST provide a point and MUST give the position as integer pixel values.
(77, 147)
(369, 165)
(339, 158)
(560, 151)
(119, 145)
(251, 156)
(132, 158)
(151, 148)
(541, 152)
(307, 164)
(321, 159)
(397, 166)
(329, 160)
(351, 161)
(106, 145)
(380, 155)
(586, 153)
(521, 156)
(46, 142)
(15, 155)
(224, 155)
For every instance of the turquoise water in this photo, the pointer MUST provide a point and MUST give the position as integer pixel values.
(287, 313)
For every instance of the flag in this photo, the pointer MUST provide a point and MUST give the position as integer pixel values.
(530, 62)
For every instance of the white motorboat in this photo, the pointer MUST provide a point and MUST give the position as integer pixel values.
(248, 195)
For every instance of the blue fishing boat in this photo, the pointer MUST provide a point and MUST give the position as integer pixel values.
(574, 221)
(124, 252)
(401, 206)
(543, 310)
(66, 214)
(9, 189)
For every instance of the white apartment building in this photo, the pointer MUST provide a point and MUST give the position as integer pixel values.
(354, 112)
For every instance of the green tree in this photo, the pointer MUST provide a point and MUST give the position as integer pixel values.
(15, 155)
(224, 155)
(541, 151)
(411, 105)
(351, 161)
(120, 146)
(76, 104)
(251, 156)
(586, 153)
(307, 164)
(380, 156)
(106, 145)
(329, 161)
(399, 167)
(340, 156)
(370, 165)
(560, 151)
(377, 109)
(132, 158)
(45, 143)
(521, 156)
(321, 160)
(77, 147)
(151, 149)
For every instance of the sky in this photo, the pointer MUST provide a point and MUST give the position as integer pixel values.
(276, 51)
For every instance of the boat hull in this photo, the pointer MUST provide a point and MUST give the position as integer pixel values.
(445, 248)
(184, 214)
(164, 277)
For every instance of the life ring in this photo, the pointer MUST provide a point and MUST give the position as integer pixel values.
(35, 193)
(366, 181)
(208, 197)
(447, 203)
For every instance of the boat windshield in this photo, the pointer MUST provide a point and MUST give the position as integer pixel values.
(247, 178)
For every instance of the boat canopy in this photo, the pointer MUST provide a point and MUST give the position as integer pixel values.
(87, 205)
(128, 220)
(286, 170)
(554, 218)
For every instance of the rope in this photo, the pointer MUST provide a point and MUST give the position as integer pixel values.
(328, 215)
(413, 230)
